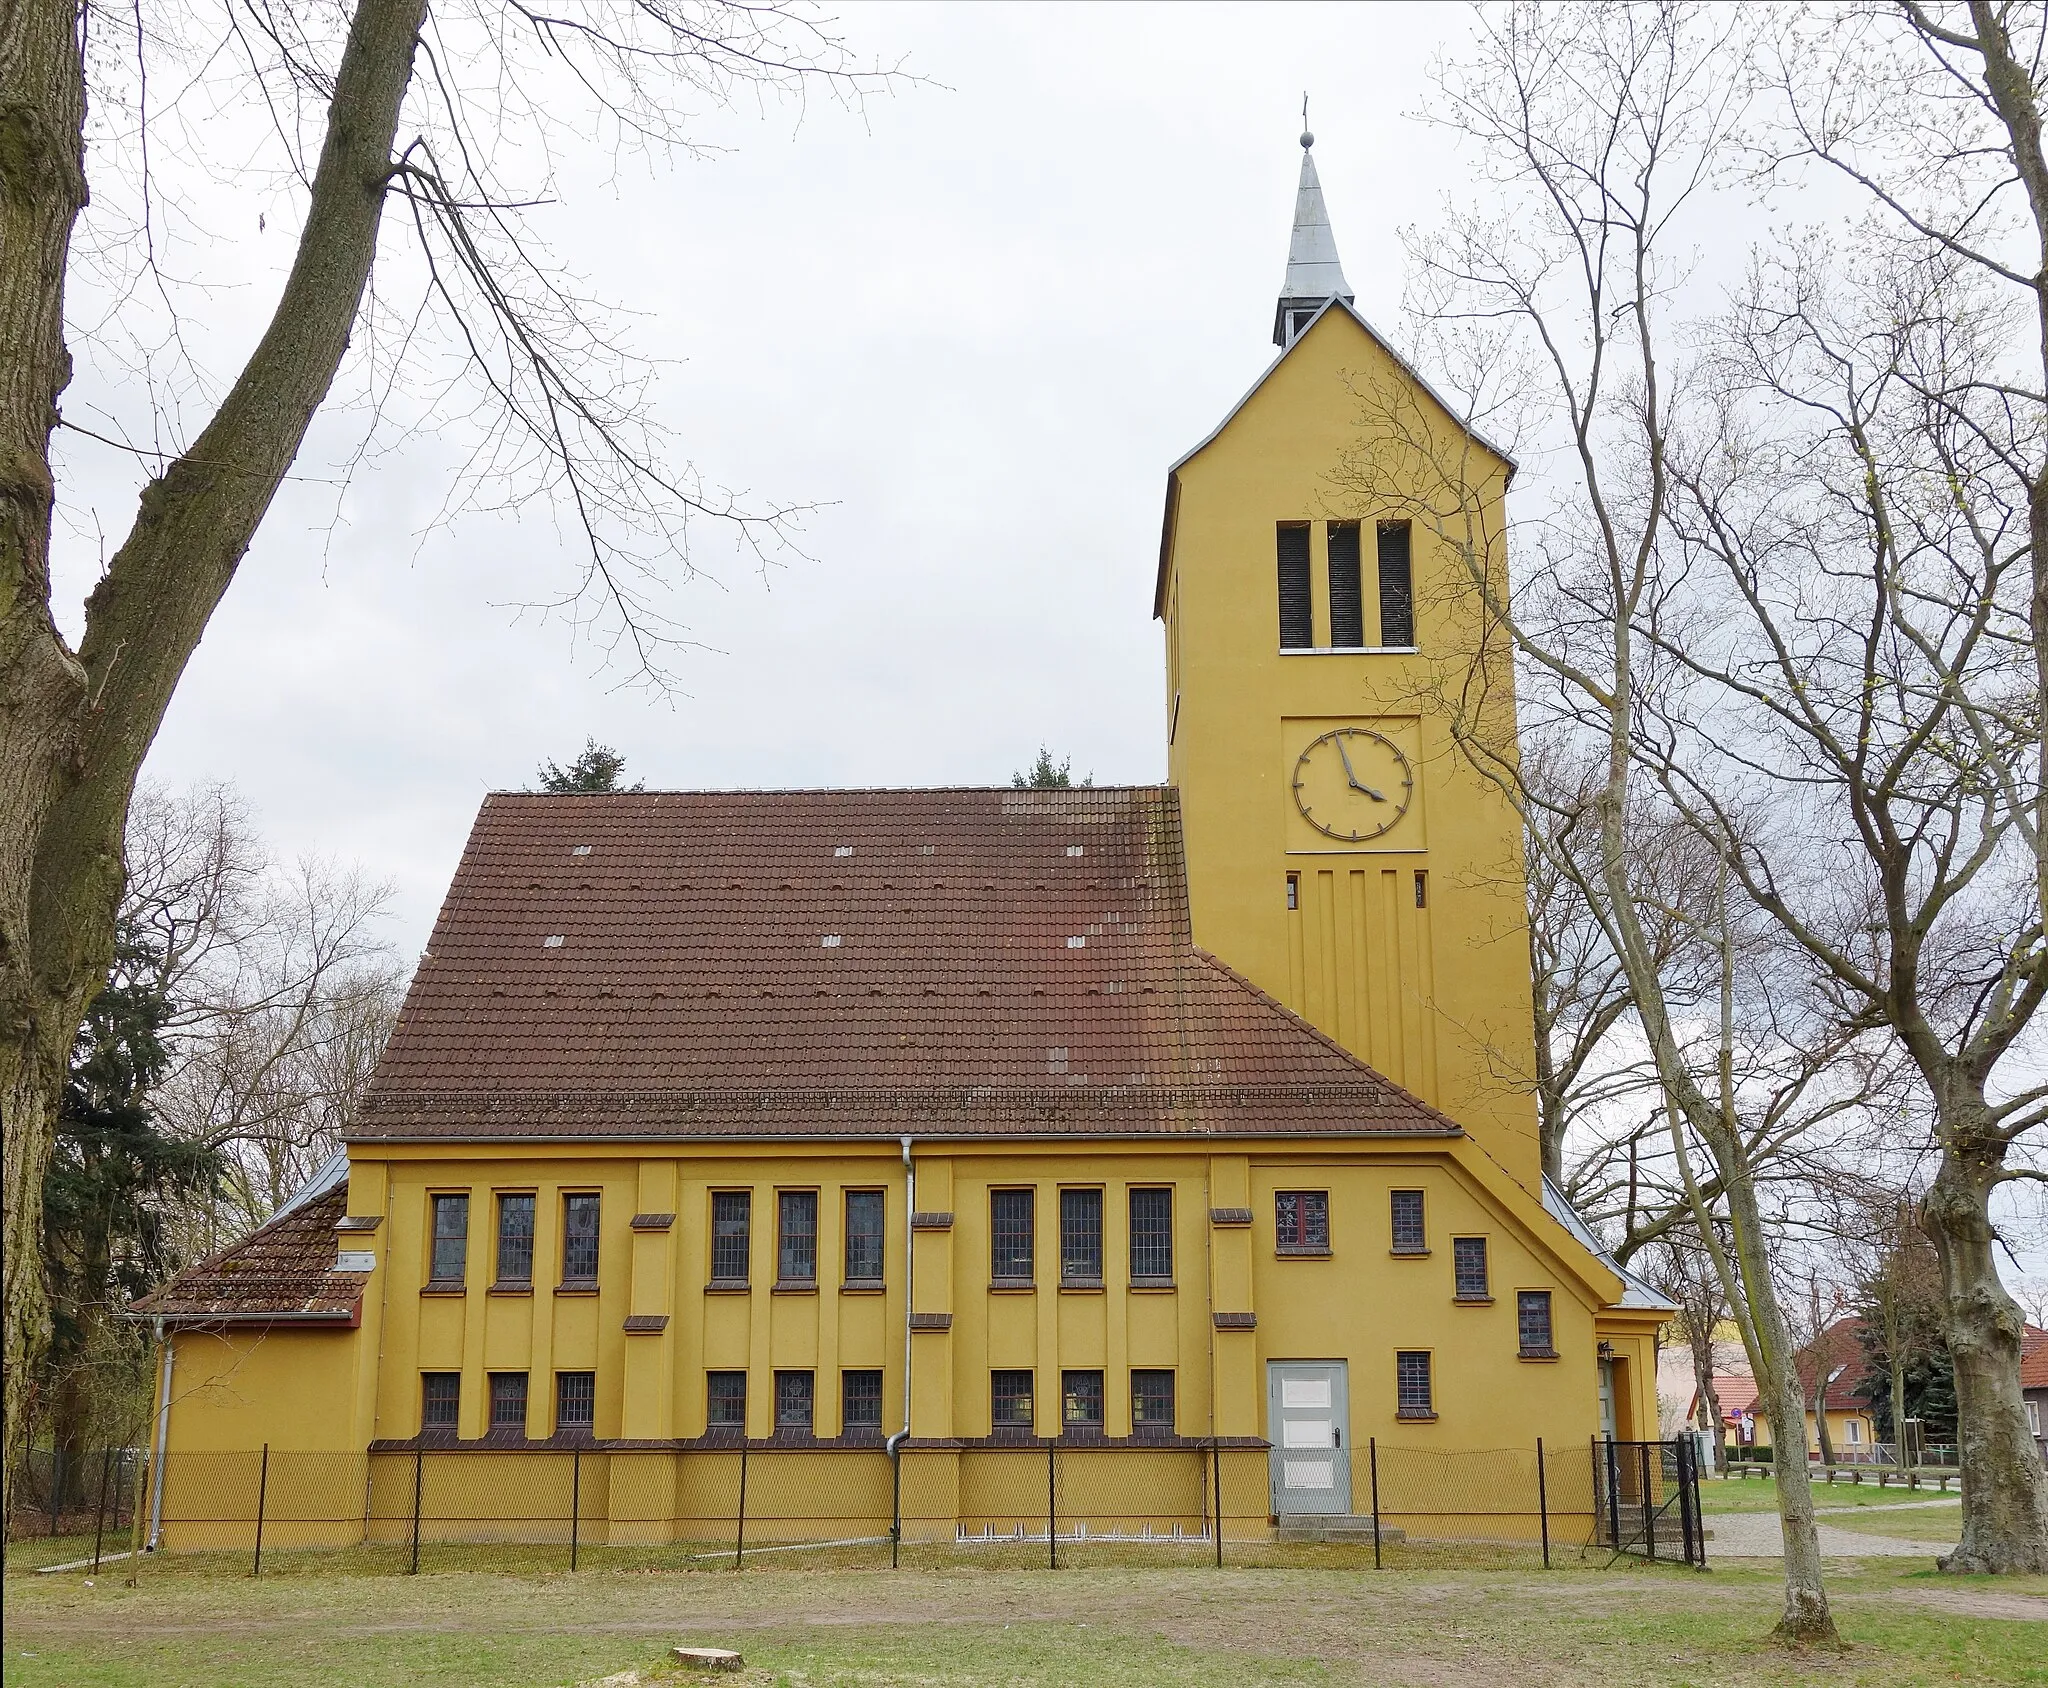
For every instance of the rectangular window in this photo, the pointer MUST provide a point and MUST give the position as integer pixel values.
(1468, 1268)
(2034, 1417)
(440, 1400)
(864, 1214)
(508, 1400)
(1532, 1324)
(515, 1239)
(1010, 1399)
(1413, 1397)
(1410, 1236)
(860, 1401)
(1080, 1236)
(1301, 1221)
(725, 1400)
(1010, 1225)
(1297, 612)
(1347, 599)
(579, 1239)
(1081, 1400)
(575, 1400)
(451, 1239)
(1152, 1403)
(731, 1216)
(796, 1237)
(793, 1400)
(1294, 890)
(1422, 888)
(1152, 1236)
(1397, 586)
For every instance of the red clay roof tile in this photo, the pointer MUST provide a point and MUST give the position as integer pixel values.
(284, 1271)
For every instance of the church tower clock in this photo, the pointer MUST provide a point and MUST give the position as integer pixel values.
(1343, 852)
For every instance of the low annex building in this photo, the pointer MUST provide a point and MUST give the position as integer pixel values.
(948, 1119)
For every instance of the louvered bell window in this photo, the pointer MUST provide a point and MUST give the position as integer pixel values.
(1347, 599)
(1297, 612)
(1397, 586)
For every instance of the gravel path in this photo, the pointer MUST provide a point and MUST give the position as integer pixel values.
(1754, 1535)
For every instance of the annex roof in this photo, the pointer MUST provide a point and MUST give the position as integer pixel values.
(283, 1273)
(1636, 1291)
(950, 962)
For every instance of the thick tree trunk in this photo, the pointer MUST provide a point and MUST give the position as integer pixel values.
(2005, 1489)
(74, 731)
(42, 189)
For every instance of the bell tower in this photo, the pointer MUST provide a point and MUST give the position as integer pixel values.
(1343, 853)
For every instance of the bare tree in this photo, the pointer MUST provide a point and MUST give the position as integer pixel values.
(1683, 1269)
(435, 110)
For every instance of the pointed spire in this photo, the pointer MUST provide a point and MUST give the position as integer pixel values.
(1314, 273)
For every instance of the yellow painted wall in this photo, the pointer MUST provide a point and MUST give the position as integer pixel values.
(1436, 997)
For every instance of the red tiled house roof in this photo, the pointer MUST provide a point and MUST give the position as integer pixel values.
(1840, 1347)
(282, 1273)
(2034, 1358)
(846, 963)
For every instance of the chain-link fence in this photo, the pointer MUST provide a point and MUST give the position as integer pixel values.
(1054, 1504)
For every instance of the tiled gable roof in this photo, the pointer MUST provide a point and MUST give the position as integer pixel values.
(2034, 1358)
(845, 963)
(283, 1271)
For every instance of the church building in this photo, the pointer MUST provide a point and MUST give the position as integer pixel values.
(936, 1120)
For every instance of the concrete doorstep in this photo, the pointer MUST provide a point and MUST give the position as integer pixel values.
(1332, 1527)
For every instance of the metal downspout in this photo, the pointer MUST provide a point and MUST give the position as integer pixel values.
(168, 1349)
(894, 1445)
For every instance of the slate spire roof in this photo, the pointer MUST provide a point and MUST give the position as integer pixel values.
(958, 962)
(1314, 272)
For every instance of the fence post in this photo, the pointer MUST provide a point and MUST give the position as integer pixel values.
(262, 1498)
(1216, 1478)
(575, 1499)
(1613, 1495)
(99, 1528)
(739, 1540)
(56, 1483)
(419, 1477)
(1543, 1501)
(895, 1509)
(141, 1487)
(1052, 1510)
(1649, 1513)
(1372, 1449)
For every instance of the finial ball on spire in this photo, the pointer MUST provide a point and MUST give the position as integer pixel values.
(1307, 140)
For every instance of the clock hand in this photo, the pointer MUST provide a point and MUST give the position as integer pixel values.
(1345, 757)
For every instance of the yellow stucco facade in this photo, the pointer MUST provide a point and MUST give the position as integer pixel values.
(1404, 944)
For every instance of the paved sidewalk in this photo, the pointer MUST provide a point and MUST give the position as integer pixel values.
(1754, 1535)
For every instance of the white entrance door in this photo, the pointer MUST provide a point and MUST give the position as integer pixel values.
(1307, 1418)
(1607, 1399)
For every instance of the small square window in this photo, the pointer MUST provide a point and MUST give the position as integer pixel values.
(725, 1395)
(451, 1239)
(1410, 1235)
(515, 1239)
(575, 1400)
(1010, 1238)
(796, 1243)
(1010, 1399)
(864, 1216)
(1532, 1324)
(1152, 1403)
(1081, 1400)
(1413, 1397)
(860, 1401)
(440, 1400)
(579, 1239)
(1468, 1268)
(1301, 1220)
(1294, 890)
(731, 1222)
(1152, 1236)
(508, 1400)
(1080, 1236)
(793, 1402)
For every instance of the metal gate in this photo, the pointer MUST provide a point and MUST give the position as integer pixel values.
(1647, 1496)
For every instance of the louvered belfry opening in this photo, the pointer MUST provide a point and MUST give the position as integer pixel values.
(1347, 597)
(1397, 587)
(1297, 610)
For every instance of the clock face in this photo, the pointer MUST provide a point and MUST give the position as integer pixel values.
(1353, 784)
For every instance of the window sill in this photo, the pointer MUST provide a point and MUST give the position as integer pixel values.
(510, 1288)
(1471, 1301)
(862, 1286)
(1153, 1286)
(1080, 1286)
(1349, 650)
(1301, 1251)
(1409, 1415)
(1538, 1354)
(1409, 1253)
(1012, 1286)
(728, 1286)
(444, 1289)
(794, 1286)
(577, 1286)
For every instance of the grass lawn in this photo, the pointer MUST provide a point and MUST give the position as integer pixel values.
(961, 1627)
(1749, 1495)
(1943, 1524)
